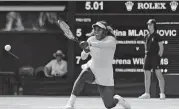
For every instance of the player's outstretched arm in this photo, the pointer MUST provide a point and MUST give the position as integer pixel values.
(86, 48)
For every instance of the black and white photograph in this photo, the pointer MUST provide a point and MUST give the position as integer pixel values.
(89, 54)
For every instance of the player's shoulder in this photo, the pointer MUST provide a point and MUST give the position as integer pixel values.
(110, 38)
(90, 38)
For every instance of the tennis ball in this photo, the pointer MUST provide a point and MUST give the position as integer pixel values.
(7, 47)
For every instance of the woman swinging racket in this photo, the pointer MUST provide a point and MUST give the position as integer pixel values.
(99, 70)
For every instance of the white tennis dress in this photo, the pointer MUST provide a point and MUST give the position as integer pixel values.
(102, 53)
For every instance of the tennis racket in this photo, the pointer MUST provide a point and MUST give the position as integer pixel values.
(66, 30)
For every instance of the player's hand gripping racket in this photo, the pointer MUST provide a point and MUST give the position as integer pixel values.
(66, 30)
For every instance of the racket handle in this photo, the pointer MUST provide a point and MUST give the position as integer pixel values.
(76, 40)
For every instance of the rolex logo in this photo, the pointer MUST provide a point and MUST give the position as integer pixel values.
(173, 5)
(129, 5)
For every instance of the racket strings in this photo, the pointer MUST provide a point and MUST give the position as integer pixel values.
(67, 32)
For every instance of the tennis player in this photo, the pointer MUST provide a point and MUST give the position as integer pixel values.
(99, 70)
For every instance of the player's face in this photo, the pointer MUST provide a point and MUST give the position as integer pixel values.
(99, 32)
(151, 27)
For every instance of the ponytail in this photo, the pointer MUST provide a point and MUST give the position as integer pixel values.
(110, 31)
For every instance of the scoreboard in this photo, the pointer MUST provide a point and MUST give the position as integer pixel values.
(128, 19)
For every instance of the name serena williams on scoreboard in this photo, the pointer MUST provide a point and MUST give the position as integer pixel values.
(137, 61)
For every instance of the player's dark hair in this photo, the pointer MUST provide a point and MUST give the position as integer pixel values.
(108, 31)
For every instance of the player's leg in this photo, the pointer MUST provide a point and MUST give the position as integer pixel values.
(147, 78)
(107, 93)
(85, 76)
(109, 100)
(160, 77)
